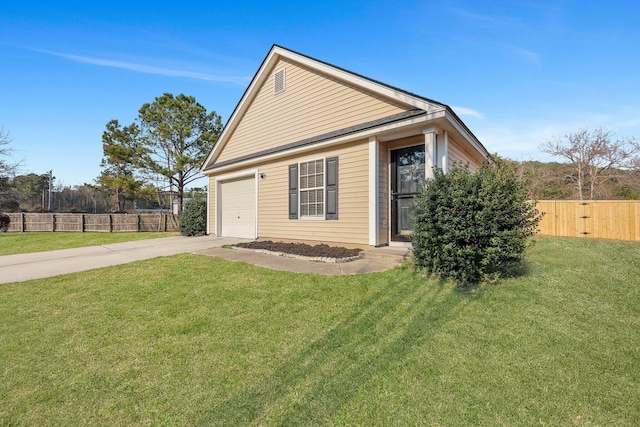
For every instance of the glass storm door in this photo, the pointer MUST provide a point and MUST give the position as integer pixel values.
(407, 180)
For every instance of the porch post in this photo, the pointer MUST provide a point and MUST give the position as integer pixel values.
(208, 206)
(443, 151)
(430, 151)
(374, 202)
(218, 212)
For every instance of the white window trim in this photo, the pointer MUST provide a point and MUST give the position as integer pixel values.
(324, 191)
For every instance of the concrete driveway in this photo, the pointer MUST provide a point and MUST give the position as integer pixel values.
(21, 267)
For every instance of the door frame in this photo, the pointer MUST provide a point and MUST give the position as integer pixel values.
(218, 197)
(394, 238)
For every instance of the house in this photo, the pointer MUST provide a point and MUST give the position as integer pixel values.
(313, 152)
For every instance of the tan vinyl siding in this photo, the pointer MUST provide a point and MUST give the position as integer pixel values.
(383, 193)
(352, 224)
(459, 155)
(312, 104)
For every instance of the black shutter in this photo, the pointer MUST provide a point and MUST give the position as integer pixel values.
(293, 191)
(332, 188)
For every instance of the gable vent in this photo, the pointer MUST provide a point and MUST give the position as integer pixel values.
(279, 81)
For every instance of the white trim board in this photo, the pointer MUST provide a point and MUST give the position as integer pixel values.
(218, 180)
(374, 202)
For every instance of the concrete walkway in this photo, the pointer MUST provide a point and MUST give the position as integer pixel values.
(21, 267)
(275, 262)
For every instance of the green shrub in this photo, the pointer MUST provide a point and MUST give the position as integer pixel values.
(4, 222)
(193, 221)
(471, 227)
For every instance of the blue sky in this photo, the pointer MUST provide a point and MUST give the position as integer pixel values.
(517, 73)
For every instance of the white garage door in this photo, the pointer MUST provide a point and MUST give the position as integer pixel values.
(238, 208)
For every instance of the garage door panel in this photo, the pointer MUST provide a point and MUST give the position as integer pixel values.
(238, 208)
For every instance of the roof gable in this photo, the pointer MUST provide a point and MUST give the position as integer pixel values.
(323, 97)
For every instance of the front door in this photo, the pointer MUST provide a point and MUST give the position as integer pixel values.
(407, 180)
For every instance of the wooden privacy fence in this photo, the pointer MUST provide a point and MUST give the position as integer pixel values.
(108, 223)
(607, 219)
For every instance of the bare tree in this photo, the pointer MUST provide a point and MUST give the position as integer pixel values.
(6, 168)
(546, 180)
(7, 171)
(594, 158)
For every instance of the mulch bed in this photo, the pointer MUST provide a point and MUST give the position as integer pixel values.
(302, 249)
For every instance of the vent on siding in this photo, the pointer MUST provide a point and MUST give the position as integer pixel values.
(279, 81)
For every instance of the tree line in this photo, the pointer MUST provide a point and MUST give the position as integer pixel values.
(596, 167)
(145, 165)
(30, 193)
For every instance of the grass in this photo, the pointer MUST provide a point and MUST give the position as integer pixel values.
(22, 243)
(192, 340)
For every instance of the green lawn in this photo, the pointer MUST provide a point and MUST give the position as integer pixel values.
(22, 243)
(192, 340)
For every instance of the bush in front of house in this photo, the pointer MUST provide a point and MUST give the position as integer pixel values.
(473, 226)
(193, 220)
(5, 221)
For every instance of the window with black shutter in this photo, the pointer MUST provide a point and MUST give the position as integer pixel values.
(332, 188)
(313, 189)
(293, 191)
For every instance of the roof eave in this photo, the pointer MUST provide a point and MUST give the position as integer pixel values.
(272, 57)
(392, 127)
(244, 102)
(459, 125)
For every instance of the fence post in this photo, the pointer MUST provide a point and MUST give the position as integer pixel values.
(110, 223)
(22, 222)
(138, 223)
(82, 224)
(166, 216)
(53, 222)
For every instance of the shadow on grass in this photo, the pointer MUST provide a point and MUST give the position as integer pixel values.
(511, 271)
(375, 338)
(514, 271)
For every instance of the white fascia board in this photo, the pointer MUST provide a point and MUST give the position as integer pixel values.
(359, 81)
(257, 81)
(328, 143)
(455, 122)
(435, 110)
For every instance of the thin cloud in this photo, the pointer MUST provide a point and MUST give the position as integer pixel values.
(631, 123)
(527, 55)
(468, 112)
(622, 116)
(147, 69)
(521, 139)
(486, 20)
